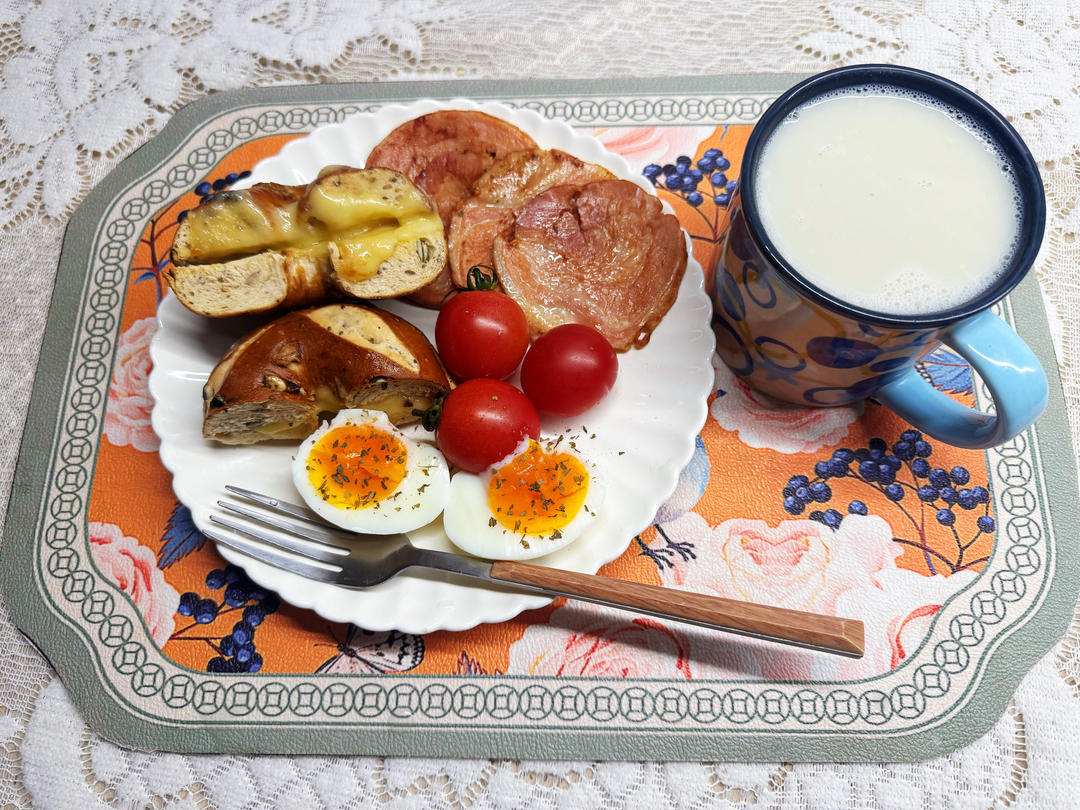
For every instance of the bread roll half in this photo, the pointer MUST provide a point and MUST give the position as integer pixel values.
(365, 233)
(275, 382)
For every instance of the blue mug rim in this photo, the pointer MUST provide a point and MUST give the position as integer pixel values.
(1032, 205)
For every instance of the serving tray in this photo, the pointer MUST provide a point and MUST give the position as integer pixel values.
(98, 552)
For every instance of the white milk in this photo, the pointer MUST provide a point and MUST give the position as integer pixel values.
(889, 201)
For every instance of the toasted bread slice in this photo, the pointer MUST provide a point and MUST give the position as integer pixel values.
(389, 237)
(237, 223)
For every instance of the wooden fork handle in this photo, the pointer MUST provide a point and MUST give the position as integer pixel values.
(843, 636)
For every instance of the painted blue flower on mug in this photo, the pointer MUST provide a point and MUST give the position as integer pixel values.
(841, 352)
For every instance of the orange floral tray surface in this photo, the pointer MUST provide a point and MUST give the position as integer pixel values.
(945, 554)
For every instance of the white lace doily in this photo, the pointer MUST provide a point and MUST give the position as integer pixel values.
(83, 84)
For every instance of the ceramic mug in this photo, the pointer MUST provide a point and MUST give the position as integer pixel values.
(791, 340)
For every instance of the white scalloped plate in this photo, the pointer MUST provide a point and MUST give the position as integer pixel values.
(640, 436)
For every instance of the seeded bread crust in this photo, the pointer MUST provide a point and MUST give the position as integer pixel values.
(277, 381)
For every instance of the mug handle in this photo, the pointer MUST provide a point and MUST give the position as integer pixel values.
(1012, 373)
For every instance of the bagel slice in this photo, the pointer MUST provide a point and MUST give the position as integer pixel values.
(277, 381)
(364, 233)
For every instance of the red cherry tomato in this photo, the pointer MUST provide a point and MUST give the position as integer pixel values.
(481, 333)
(568, 370)
(483, 421)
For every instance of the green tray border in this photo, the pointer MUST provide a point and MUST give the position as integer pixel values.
(1006, 666)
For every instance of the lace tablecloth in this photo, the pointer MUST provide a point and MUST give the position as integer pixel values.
(80, 90)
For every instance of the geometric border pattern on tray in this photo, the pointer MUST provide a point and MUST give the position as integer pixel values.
(941, 696)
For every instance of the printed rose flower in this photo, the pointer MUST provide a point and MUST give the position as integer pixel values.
(800, 564)
(644, 145)
(897, 615)
(591, 642)
(133, 568)
(127, 416)
(762, 421)
(805, 565)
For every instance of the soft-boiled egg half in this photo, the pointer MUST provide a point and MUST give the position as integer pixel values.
(360, 472)
(533, 502)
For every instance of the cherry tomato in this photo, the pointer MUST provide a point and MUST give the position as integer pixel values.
(568, 370)
(481, 333)
(483, 421)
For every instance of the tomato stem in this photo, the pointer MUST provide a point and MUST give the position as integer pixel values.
(430, 417)
(479, 280)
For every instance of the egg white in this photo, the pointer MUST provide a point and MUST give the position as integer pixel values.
(419, 498)
(467, 518)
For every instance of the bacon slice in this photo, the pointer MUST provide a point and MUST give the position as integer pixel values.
(507, 185)
(517, 178)
(603, 254)
(473, 229)
(444, 153)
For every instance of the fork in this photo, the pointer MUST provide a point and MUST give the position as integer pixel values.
(306, 545)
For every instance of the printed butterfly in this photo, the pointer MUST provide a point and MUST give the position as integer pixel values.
(947, 371)
(367, 653)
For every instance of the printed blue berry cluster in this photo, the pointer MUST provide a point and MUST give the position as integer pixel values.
(904, 474)
(208, 188)
(236, 651)
(695, 183)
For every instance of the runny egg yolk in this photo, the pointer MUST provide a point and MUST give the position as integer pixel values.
(355, 466)
(538, 492)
